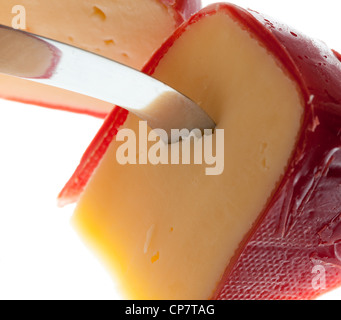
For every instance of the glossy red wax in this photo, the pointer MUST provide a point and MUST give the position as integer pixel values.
(183, 8)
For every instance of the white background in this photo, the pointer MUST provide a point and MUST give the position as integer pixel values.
(41, 256)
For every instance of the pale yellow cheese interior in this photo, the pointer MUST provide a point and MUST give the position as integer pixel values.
(169, 231)
(127, 31)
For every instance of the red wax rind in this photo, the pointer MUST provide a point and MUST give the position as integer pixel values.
(183, 8)
(300, 228)
(91, 158)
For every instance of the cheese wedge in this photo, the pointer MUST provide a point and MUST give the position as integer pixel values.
(267, 225)
(169, 231)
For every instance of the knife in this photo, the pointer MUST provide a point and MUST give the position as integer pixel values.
(35, 58)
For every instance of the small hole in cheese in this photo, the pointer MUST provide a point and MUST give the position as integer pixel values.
(109, 42)
(98, 13)
(155, 257)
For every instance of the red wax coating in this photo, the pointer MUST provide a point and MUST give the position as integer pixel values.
(92, 157)
(300, 228)
(183, 8)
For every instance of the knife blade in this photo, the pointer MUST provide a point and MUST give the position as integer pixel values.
(60, 65)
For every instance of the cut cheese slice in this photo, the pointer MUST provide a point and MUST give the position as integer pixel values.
(170, 231)
(127, 31)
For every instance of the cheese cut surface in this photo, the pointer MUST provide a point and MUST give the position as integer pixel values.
(128, 31)
(170, 231)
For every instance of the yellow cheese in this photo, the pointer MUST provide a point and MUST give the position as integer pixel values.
(128, 31)
(169, 231)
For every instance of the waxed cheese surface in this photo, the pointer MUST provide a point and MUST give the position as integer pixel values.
(170, 231)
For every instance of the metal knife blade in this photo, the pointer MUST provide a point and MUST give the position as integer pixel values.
(50, 62)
